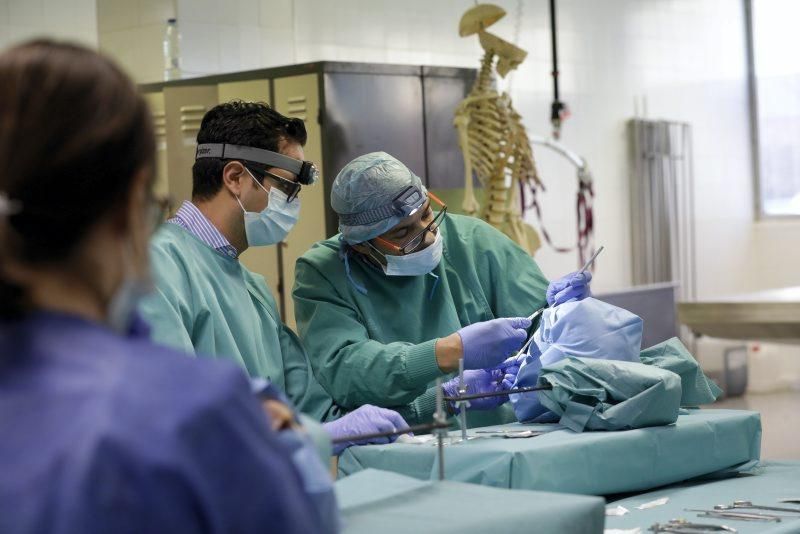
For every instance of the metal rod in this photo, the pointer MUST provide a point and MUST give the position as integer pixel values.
(554, 49)
(546, 387)
(536, 314)
(591, 260)
(414, 428)
(440, 418)
(462, 390)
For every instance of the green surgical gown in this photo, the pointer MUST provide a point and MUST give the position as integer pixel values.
(378, 348)
(209, 304)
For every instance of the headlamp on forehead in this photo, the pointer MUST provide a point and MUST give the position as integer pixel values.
(305, 171)
(405, 204)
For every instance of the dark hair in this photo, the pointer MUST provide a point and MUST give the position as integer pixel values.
(253, 124)
(73, 134)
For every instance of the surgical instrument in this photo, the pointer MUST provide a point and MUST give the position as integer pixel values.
(410, 430)
(536, 314)
(749, 505)
(686, 527)
(591, 260)
(545, 387)
(742, 516)
(586, 265)
(525, 346)
(510, 434)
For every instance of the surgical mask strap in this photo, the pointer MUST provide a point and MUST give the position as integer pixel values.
(359, 287)
(436, 281)
(257, 183)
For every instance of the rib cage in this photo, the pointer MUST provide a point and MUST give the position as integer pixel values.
(496, 149)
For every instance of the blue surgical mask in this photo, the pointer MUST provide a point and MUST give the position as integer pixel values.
(416, 263)
(273, 224)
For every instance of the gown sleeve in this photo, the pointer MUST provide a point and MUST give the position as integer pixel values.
(218, 469)
(353, 368)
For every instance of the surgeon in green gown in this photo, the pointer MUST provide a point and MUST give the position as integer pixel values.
(406, 290)
(246, 184)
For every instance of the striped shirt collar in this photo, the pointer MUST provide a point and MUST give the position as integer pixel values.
(192, 219)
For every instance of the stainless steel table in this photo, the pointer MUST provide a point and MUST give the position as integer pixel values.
(766, 315)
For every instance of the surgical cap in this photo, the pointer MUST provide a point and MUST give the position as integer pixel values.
(588, 328)
(363, 195)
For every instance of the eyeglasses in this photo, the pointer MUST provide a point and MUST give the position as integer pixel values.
(290, 188)
(415, 241)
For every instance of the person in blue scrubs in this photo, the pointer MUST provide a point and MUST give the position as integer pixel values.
(103, 431)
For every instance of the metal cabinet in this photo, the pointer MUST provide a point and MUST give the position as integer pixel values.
(349, 109)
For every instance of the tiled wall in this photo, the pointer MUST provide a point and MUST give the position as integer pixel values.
(683, 58)
(132, 32)
(680, 59)
(64, 19)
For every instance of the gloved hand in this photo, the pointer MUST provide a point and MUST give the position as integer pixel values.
(501, 378)
(574, 286)
(488, 343)
(367, 419)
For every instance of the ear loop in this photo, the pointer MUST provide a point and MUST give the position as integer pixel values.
(257, 183)
(373, 247)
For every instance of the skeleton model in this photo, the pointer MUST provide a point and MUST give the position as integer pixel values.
(492, 137)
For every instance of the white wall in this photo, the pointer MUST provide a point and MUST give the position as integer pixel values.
(132, 32)
(685, 57)
(63, 19)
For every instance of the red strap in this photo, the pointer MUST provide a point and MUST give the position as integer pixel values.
(585, 218)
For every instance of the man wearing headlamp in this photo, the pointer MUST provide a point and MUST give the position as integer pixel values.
(406, 291)
(247, 177)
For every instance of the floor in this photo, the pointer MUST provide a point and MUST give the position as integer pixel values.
(780, 421)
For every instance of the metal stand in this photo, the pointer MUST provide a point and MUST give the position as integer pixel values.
(440, 418)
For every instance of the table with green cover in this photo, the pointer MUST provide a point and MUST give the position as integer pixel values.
(765, 484)
(380, 501)
(700, 443)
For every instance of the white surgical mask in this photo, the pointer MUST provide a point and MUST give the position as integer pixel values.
(273, 224)
(416, 263)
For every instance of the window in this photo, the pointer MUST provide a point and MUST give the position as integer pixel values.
(775, 74)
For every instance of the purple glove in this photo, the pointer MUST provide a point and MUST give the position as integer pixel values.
(488, 343)
(574, 286)
(367, 419)
(501, 378)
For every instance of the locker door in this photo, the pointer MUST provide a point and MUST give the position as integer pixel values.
(261, 260)
(184, 107)
(298, 96)
(156, 103)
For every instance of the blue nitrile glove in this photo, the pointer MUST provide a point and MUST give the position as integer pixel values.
(574, 286)
(367, 419)
(488, 343)
(501, 378)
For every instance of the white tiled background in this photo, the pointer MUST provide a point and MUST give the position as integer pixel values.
(67, 19)
(686, 58)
